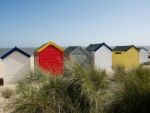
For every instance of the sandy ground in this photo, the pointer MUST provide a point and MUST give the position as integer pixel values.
(3, 105)
(5, 102)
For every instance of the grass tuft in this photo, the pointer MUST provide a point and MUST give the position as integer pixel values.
(7, 92)
(79, 90)
(132, 92)
(85, 90)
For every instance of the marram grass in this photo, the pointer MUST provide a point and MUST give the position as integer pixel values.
(131, 92)
(85, 90)
(79, 90)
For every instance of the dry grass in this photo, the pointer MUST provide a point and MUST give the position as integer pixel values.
(79, 90)
(85, 90)
(7, 92)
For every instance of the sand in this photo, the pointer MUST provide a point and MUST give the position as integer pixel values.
(5, 102)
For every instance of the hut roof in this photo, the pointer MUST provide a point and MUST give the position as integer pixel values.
(95, 47)
(142, 48)
(12, 50)
(48, 44)
(28, 50)
(69, 49)
(124, 48)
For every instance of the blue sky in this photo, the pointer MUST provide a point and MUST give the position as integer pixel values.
(74, 22)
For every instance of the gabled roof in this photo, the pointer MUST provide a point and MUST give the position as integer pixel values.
(12, 50)
(143, 48)
(4, 51)
(69, 49)
(95, 47)
(48, 44)
(124, 48)
(28, 50)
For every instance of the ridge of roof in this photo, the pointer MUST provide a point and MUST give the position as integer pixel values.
(69, 49)
(42, 47)
(124, 48)
(12, 50)
(143, 48)
(95, 47)
(29, 50)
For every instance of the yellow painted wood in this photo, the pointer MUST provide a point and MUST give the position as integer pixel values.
(128, 59)
(48, 44)
(132, 58)
(118, 59)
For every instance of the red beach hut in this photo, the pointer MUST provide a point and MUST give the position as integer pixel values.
(50, 57)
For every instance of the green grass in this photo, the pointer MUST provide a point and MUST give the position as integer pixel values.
(146, 63)
(85, 90)
(131, 92)
(79, 90)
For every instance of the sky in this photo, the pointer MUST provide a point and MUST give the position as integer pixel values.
(30, 23)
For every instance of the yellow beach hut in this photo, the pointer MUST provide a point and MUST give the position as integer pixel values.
(125, 56)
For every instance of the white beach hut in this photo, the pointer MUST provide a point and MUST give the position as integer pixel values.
(101, 55)
(14, 65)
(143, 55)
(149, 56)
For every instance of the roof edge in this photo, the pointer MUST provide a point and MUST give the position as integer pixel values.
(107, 46)
(143, 48)
(14, 49)
(48, 44)
(72, 50)
(130, 46)
(101, 44)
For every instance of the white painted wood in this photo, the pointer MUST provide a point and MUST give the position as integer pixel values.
(16, 67)
(149, 56)
(143, 56)
(1, 69)
(103, 58)
(32, 63)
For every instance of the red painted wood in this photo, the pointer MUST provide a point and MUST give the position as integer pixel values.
(51, 59)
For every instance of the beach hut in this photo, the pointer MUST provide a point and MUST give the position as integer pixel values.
(125, 56)
(149, 56)
(143, 55)
(78, 54)
(101, 55)
(50, 57)
(14, 65)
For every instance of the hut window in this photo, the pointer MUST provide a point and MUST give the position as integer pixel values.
(1, 82)
(117, 52)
